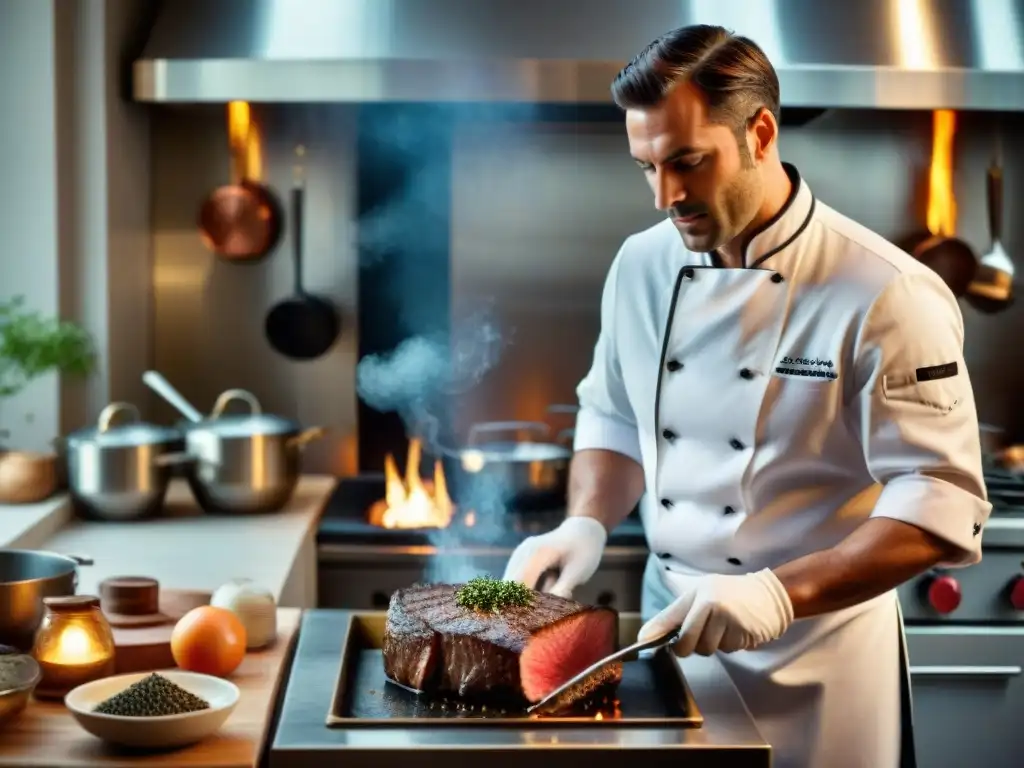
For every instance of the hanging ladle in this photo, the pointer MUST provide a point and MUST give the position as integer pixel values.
(991, 290)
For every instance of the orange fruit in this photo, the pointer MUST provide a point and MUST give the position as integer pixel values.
(208, 640)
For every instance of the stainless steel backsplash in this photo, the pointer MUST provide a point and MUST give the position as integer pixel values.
(538, 212)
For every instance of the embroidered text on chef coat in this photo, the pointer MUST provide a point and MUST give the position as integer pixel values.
(747, 466)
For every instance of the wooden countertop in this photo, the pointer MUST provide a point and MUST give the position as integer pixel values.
(45, 734)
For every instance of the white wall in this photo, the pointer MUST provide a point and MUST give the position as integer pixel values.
(28, 200)
(74, 197)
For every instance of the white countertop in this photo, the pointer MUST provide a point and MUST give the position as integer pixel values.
(27, 526)
(184, 548)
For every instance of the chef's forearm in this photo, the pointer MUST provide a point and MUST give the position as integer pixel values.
(880, 555)
(604, 485)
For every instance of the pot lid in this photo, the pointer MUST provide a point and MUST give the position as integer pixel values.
(514, 452)
(233, 425)
(244, 424)
(124, 435)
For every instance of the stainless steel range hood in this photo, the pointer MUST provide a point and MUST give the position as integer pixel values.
(890, 54)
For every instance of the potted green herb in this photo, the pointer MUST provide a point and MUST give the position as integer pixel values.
(32, 345)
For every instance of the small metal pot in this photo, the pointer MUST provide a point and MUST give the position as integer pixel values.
(245, 463)
(121, 472)
(26, 577)
(509, 473)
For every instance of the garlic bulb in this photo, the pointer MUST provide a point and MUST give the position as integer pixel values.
(254, 606)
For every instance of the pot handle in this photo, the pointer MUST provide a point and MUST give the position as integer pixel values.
(81, 559)
(306, 436)
(107, 414)
(506, 426)
(559, 408)
(235, 394)
(173, 459)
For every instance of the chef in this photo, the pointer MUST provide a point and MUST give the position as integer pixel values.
(787, 392)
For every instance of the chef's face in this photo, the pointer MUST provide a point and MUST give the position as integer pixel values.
(704, 176)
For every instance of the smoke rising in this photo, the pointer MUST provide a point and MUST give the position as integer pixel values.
(415, 377)
(424, 377)
(416, 380)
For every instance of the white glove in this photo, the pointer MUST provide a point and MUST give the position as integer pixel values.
(574, 548)
(723, 613)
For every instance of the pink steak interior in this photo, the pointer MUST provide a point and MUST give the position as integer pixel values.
(558, 652)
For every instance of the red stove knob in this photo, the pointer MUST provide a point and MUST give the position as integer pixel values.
(1017, 594)
(944, 594)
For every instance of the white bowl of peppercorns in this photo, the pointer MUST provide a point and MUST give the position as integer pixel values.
(154, 710)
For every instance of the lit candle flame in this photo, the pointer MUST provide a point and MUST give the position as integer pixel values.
(76, 647)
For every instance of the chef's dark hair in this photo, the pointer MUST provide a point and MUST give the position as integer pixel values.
(732, 72)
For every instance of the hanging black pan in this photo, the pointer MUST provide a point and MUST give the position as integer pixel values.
(304, 326)
(950, 257)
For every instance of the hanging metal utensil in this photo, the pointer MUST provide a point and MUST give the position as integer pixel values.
(991, 290)
(304, 326)
(240, 222)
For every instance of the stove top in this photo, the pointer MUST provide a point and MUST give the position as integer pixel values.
(1005, 491)
(345, 518)
(345, 521)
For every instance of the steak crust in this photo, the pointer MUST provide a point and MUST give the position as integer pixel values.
(433, 644)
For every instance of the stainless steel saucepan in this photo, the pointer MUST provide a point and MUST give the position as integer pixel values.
(26, 577)
(121, 471)
(245, 463)
(514, 473)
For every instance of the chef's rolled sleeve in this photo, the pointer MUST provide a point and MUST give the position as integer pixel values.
(605, 419)
(917, 416)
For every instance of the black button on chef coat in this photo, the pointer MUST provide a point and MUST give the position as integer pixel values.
(673, 366)
(669, 435)
(776, 278)
(746, 373)
(688, 273)
(735, 561)
(729, 511)
(666, 503)
(736, 444)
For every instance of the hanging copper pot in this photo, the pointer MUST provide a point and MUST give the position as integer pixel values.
(241, 221)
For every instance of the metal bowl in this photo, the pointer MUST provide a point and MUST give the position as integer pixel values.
(26, 675)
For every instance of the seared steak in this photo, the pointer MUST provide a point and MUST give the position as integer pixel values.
(514, 656)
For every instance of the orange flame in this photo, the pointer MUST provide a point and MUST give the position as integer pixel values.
(941, 217)
(244, 142)
(412, 503)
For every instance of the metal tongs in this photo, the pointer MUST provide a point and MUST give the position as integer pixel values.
(629, 653)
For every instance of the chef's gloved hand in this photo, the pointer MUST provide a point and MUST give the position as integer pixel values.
(574, 549)
(723, 613)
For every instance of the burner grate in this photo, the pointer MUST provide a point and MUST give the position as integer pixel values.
(1005, 491)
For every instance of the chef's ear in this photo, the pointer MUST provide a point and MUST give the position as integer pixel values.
(762, 133)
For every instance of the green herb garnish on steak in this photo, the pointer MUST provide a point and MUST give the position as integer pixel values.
(490, 595)
(152, 696)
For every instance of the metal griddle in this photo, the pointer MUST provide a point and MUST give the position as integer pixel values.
(653, 693)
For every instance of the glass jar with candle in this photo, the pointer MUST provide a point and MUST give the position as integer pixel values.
(74, 645)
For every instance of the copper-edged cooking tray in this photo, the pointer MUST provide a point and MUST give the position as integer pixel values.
(653, 691)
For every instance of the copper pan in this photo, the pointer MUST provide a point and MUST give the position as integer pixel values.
(241, 221)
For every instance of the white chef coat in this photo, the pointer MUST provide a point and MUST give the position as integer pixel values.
(774, 408)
